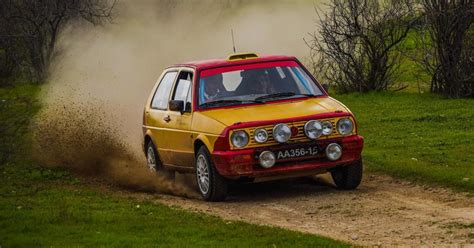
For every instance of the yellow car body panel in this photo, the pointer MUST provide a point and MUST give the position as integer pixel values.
(275, 111)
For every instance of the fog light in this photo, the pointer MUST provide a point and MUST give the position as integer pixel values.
(267, 159)
(333, 151)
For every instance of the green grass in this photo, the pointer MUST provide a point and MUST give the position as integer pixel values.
(50, 207)
(34, 215)
(416, 135)
(422, 137)
(17, 106)
(410, 73)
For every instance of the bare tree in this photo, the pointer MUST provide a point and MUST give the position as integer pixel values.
(11, 52)
(446, 46)
(353, 48)
(35, 25)
(10, 59)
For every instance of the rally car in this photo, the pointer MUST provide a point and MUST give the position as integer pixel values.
(248, 118)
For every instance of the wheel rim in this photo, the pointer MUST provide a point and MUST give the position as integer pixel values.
(202, 172)
(151, 159)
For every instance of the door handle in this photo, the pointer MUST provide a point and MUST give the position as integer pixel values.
(167, 118)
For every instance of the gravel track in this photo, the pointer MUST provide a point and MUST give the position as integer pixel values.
(382, 212)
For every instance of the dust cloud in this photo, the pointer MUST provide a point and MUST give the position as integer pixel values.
(93, 101)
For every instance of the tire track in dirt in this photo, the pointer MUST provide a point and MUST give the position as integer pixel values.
(382, 212)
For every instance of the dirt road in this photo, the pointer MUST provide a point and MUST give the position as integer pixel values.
(382, 212)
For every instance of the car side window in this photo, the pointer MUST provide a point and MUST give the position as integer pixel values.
(162, 93)
(183, 87)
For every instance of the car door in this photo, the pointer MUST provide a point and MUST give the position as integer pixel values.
(158, 115)
(181, 144)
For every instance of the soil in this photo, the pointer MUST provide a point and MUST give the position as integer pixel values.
(383, 211)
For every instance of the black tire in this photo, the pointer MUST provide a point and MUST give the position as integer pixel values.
(349, 176)
(216, 189)
(158, 168)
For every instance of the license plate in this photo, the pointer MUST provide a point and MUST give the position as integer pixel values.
(298, 152)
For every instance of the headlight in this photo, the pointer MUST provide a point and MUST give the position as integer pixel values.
(260, 135)
(281, 133)
(240, 139)
(345, 126)
(313, 129)
(327, 127)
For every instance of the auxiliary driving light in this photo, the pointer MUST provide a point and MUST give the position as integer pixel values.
(313, 129)
(267, 159)
(281, 133)
(333, 151)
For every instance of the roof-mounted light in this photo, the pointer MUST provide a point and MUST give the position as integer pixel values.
(242, 56)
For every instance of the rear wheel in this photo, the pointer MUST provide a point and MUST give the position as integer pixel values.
(211, 185)
(348, 177)
(154, 163)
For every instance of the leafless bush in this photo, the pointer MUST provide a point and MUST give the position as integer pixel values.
(445, 42)
(354, 46)
(29, 29)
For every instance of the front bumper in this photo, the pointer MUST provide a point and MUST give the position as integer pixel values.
(244, 163)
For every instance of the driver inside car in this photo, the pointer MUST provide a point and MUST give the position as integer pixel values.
(214, 88)
(255, 81)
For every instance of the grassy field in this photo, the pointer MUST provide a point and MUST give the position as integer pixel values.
(422, 137)
(44, 207)
(51, 208)
(414, 134)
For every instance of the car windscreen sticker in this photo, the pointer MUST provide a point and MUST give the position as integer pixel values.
(220, 70)
(280, 72)
(297, 72)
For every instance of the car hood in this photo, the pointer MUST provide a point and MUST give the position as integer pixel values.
(275, 111)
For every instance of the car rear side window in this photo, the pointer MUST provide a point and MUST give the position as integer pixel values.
(162, 94)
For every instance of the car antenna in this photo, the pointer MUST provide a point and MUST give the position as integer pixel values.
(233, 42)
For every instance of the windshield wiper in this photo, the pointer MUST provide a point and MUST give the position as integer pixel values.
(280, 95)
(227, 102)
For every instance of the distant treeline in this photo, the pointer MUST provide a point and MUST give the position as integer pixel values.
(29, 30)
(357, 47)
(358, 44)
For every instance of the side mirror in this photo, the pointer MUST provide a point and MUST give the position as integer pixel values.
(326, 87)
(176, 105)
(187, 108)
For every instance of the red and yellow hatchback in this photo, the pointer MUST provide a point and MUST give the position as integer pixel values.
(248, 118)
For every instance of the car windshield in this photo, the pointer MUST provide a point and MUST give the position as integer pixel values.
(254, 83)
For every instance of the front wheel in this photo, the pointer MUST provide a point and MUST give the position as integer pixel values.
(211, 185)
(348, 177)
